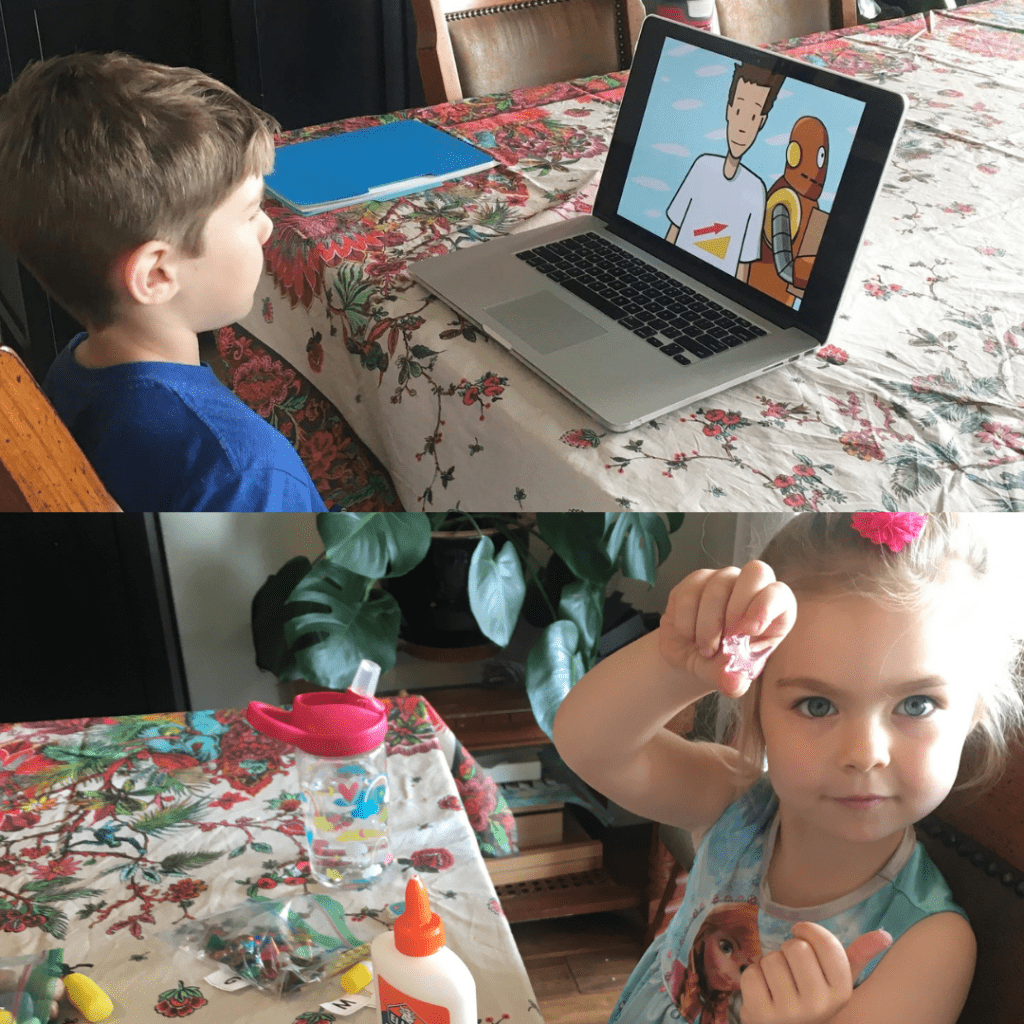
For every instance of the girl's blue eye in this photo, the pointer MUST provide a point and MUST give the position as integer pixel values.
(916, 707)
(816, 707)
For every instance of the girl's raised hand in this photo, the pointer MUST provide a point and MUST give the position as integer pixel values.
(808, 980)
(710, 605)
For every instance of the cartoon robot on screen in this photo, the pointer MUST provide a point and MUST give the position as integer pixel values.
(793, 221)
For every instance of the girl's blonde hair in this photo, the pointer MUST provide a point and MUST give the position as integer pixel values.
(821, 554)
(102, 152)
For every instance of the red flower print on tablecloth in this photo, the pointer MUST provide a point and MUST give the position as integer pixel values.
(233, 345)
(832, 354)
(186, 889)
(249, 759)
(263, 383)
(449, 803)
(65, 867)
(999, 434)
(489, 815)
(431, 859)
(581, 438)
(228, 800)
(315, 352)
(180, 1001)
(877, 290)
(411, 730)
(862, 444)
(479, 801)
(318, 452)
(15, 821)
(171, 761)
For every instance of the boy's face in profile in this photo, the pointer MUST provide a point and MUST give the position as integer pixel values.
(218, 286)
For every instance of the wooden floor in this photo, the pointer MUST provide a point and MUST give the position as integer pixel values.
(578, 965)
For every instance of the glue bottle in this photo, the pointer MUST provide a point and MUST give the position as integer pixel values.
(414, 971)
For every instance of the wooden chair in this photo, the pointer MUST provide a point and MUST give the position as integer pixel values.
(42, 469)
(760, 21)
(477, 47)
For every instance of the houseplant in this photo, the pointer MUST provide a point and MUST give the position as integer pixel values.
(315, 621)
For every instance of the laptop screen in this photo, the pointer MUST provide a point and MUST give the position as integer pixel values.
(739, 165)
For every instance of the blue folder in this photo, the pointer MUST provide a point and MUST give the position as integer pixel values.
(381, 162)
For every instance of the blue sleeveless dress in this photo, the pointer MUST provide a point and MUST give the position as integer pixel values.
(728, 920)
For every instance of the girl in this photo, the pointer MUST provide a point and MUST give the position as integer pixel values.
(850, 721)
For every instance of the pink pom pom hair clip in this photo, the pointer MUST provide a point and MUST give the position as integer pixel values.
(893, 529)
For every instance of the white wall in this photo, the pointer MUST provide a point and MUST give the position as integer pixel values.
(217, 561)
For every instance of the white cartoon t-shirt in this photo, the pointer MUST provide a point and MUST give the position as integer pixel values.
(728, 919)
(719, 218)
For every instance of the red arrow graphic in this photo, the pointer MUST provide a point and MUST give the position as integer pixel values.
(712, 230)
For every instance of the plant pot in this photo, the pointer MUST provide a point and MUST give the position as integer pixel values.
(434, 598)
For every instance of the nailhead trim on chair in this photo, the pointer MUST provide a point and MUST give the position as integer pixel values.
(978, 855)
(620, 33)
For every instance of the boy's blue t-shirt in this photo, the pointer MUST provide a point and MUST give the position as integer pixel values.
(169, 437)
(728, 920)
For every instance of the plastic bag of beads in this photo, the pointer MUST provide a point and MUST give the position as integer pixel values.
(27, 986)
(276, 946)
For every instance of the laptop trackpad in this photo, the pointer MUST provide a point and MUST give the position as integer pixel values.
(545, 322)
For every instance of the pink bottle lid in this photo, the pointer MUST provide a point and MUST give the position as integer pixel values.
(324, 724)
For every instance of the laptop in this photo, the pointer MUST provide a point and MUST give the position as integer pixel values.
(731, 207)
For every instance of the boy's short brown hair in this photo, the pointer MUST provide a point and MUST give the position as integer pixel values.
(101, 153)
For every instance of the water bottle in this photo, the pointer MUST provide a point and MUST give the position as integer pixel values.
(343, 778)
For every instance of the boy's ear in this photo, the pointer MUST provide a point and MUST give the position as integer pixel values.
(148, 275)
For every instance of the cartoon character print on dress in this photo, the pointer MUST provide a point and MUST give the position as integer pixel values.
(726, 943)
(788, 249)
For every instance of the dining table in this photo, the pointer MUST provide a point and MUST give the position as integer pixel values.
(914, 403)
(124, 840)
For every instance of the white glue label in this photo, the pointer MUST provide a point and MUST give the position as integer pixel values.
(227, 981)
(346, 1004)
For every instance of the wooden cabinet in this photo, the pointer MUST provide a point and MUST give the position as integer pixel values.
(304, 61)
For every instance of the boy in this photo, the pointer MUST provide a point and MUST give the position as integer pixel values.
(132, 192)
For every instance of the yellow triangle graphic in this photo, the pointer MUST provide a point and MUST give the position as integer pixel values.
(716, 246)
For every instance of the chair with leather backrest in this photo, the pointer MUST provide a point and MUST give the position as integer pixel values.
(42, 469)
(758, 21)
(477, 47)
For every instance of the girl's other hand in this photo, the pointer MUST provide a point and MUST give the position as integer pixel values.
(711, 604)
(808, 980)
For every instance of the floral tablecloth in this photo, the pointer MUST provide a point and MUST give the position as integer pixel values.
(114, 830)
(914, 404)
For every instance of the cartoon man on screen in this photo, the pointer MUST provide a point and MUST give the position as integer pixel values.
(717, 212)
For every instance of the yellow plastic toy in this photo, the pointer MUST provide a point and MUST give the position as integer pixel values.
(355, 979)
(86, 996)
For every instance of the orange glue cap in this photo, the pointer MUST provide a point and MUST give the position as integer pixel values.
(418, 932)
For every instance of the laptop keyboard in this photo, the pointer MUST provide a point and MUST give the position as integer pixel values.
(666, 313)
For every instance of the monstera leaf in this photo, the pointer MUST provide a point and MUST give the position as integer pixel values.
(336, 624)
(376, 544)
